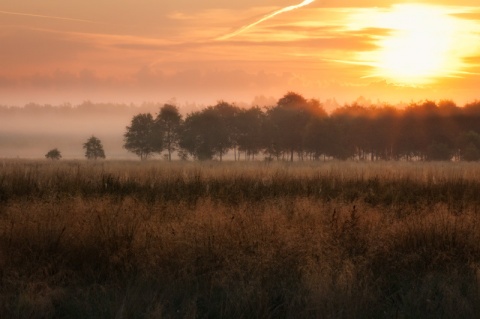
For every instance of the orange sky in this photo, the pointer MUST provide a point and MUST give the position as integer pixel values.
(200, 51)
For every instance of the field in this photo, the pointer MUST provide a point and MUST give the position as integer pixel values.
(154, 239)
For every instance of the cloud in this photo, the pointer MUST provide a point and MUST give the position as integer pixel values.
(35, 47)
(475, 16)
(473, 61)
(265, 18)
(149, 83)
(322, 44)
(6, 82)
(135, 46)
(152, 83)
(45, 16)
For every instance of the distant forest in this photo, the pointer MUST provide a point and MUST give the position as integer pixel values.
(85, 108)
(300, 129)
(295, 128)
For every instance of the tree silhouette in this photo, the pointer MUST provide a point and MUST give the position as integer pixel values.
(469, 146)
(53, 154)
(93, 148)
(228, 116)
(438, 151)
(471, 153)
(250, 131)
(421, 131)
(316, 137)
(286, 123)
(203, 135)
(168, 123)
(143, 137)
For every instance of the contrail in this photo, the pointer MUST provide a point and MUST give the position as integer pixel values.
(46, 17)
(269, 16)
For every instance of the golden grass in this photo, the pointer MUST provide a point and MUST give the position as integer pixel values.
(211, 240)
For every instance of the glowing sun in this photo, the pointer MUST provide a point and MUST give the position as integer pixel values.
(418, 47)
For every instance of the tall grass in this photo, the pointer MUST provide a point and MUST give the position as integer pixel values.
(171, 240)
(375, 183)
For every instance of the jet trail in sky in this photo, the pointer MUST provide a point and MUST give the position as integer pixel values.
(45, 17)
(269, 16)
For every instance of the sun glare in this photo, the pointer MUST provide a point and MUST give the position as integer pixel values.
(419, 46)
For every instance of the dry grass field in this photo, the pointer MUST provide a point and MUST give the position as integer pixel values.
(154, 239)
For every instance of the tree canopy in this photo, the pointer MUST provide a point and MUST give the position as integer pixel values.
(53, 154)
(93, 148)
(299, 129)
(168, 124)
(142, 136)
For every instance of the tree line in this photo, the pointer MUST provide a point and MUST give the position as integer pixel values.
(300, 129)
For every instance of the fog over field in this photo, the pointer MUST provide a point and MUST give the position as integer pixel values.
(32, 130)
(294, 128)
(31, 135)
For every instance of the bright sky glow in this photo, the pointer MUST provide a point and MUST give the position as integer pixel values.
(202, 51)
(424, 44)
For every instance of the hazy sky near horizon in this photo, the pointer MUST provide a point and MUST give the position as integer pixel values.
(203, 51)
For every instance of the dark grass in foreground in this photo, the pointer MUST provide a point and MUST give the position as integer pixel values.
(160, 240)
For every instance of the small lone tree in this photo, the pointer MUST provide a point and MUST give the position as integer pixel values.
(94, 148)
(53, 154)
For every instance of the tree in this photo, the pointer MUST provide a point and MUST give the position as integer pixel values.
(53, 154)
(316, 137)
(338, 138)
(143, 137)
(168, 123)
(469, 146)
(250, 134)
(229, 127)
(438, 151)
(204, 135)
(471, 153)
(286, 122)
(93, 148)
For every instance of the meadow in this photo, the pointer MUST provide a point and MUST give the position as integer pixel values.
(153, 239)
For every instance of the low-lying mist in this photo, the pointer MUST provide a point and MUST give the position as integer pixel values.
(31, 131)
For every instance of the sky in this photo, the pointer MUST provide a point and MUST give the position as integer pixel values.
(247, 51)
